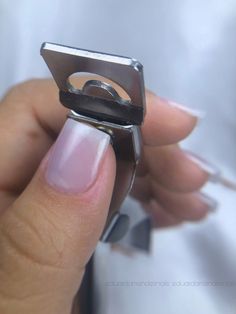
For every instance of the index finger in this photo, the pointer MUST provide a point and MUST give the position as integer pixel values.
(167, 122)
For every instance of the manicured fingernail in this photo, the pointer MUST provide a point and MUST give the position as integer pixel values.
(228, 183)
(192, 112)
(215, 175)
(213, 172)
(210, 203)
(76, 156)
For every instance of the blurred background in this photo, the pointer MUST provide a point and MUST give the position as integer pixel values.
(188, 49)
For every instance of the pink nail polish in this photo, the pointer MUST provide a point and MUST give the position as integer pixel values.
(76, 156)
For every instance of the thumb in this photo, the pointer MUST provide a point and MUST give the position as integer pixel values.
(51, 230)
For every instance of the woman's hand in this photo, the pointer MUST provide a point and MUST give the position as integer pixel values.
(169, 179)
(54, 201)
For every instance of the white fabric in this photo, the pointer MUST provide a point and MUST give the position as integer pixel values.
(188, 50)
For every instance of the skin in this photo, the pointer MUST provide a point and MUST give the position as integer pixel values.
(46, 237)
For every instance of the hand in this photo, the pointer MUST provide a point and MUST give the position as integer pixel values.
(169, 179)
(54, 201)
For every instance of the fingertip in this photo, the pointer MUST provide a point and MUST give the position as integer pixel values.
(188, 206)
(173, 169)
(167, 122)
(160, 217)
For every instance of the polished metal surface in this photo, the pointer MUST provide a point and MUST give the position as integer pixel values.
(126, 72)
(99, 104)
(126, 143)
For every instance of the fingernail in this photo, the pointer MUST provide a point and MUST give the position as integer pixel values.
(199, 114)
(76, 156)
(213, 172)
(215, 175)
(211, 203)
(228, 183)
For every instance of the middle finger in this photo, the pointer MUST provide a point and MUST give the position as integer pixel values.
(177, 170)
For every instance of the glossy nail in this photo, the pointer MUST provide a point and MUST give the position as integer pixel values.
(228, 183)
(210, 203)
(76, 156)
(199, 114)
(215, 174)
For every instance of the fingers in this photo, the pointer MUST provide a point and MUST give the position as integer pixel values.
(50, 231)
(175, 170)
(160, 217)
(48, 234)
(169, 208)
(167, 123)
(30, 118)
(189, 206)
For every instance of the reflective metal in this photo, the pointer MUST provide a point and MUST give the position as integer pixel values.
(99, 104)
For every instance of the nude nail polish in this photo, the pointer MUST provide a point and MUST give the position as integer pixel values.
(215, 174)
(199, 114)
(211, 203)
(75, 158)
